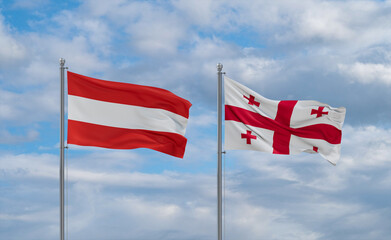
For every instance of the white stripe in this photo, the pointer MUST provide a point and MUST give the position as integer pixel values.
(124, 116)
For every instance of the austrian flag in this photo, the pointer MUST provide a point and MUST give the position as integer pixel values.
(125, 116)
(253, 122)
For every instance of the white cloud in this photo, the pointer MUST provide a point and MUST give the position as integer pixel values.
(76, 51)
(253, 221)
(204, 14)
(367, 73)
(94, 30)
(323, 21)
(367, 146)
(156, 32)
(30, 166)
(8, 138)
(151, 29)
(42, 216)
(267, 196)
(45, 51)
(156, 37)
(26, 4)
(210, 15)
(251, 69)
(351, 24)
(11, 49)
(312, 21)
(21, 108)
(136, 179)
(205, 119)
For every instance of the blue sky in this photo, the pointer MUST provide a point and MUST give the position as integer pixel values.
(337, 52)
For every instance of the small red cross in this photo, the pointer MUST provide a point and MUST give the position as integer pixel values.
(315, 149)
(251, 100)
(248, 136)
(319, 112)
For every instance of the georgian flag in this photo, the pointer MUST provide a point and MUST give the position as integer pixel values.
(125, 116)
(253, 122)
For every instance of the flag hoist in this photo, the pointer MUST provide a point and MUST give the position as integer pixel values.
(219, 150)
(62, 147)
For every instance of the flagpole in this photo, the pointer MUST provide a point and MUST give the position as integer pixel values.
(62, 68)
(219, 151)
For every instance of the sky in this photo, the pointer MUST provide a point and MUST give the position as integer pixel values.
(336, 52)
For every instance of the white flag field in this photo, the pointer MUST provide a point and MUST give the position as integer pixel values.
(253, 122)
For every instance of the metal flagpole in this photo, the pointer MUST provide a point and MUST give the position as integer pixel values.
(62, 68)
(219, 151)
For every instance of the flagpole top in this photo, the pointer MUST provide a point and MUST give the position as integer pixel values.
(62, 61)
(219, 67)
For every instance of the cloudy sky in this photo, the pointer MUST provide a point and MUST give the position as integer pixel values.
(336, 52)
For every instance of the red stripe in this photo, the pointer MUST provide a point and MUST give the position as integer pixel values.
(326, 132)
(126, 93)
(87, 134)
(281, 139)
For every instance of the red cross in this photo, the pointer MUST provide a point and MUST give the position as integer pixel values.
(248, 136)
(319, 112)
(282, 137)
(251, 100)
(281, 126)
